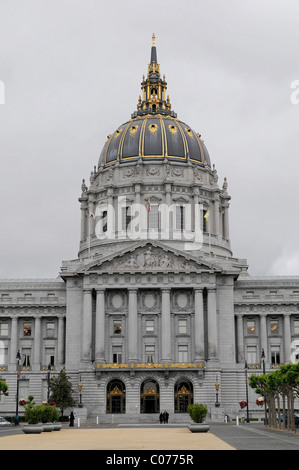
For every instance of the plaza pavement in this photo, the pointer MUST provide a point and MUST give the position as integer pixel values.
(151, 438)
(141, 437)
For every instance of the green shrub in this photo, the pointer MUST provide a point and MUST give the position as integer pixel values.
(197, 412)
(40, 413)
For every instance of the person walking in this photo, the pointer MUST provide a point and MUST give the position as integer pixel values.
(161, 417)
(72, 419)
(166, 416)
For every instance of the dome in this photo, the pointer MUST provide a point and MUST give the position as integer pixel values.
(154, 137)
(154, 132)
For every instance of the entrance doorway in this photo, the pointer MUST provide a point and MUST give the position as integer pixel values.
(116, 397)
(183, 396)
(149, 397)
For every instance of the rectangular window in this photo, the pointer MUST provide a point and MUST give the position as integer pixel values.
(126, 218)
(274, 327)
(104, 221)
(179, 218)
(149, 326)
(182, 326)
(50, 327)
(3, 354)
(117, 354)
(296, 327)
(153, 217)
(3, 329)
(50, 356)
(275, 356)
(117, 327)
(150, 353)
(251, 355)
(204, 221)
(26, 357)
(251, 327)
(183, 353)
(27, 329)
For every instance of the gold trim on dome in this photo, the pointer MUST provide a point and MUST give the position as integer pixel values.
(153, 128)
(117, 133)
(133, 130)
(173, 129)
(189, 132)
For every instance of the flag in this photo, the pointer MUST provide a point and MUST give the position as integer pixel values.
(148, 207)
(92, 217)
(207, 214)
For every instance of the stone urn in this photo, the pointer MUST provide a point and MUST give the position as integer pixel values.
(57, 426)
(198, 427)
(198, 413)
(48, 427)
(33, 428)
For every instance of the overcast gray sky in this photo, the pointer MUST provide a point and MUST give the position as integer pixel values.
(72, 71)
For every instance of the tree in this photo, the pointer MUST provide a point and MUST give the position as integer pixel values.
(62, 391)
(282, 383)
(3, 388)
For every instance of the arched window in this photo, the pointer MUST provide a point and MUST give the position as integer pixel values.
(149, 397)
(116, 396)
(183, 396)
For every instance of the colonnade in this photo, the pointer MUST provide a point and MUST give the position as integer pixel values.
(263, 336)
(37, 341)
(204, 321)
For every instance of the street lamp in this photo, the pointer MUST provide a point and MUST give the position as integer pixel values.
(18, 357)
(263, 360)
(247, 418)
(217, 385)
(80, 385)
(49, 368)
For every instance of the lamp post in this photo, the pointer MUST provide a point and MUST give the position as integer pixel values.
(18, 357)
(80, 385)
(49, 368)
(217, 385)
(246, 382)
(263, 360)
(264, 371)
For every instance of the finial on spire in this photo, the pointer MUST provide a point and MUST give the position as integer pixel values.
(153, 38)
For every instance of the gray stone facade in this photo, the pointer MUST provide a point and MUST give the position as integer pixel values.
(149, 320)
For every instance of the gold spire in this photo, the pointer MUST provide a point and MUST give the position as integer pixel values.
(153, 37)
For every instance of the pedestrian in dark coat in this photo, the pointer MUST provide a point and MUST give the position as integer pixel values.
(161, 418)
(166, 416)
(72, 419)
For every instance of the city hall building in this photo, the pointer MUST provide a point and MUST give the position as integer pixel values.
(155, 312)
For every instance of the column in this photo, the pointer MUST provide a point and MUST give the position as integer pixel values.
(13, 341)
(240, 339)
(100, 326)
(132, 326)
(264, 338)
(83, 219)
(61, 340)
(226, 223)
(87, 325)
(216, 217)
(37, 344)
(287, 338)
(212, 324)
(166, 326)
(199, 325)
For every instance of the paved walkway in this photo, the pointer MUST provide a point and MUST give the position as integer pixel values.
(115, 439)
(151, 438)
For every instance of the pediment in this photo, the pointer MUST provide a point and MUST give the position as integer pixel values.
(151, 257)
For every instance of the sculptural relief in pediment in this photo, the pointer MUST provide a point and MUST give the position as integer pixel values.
(150, 259)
